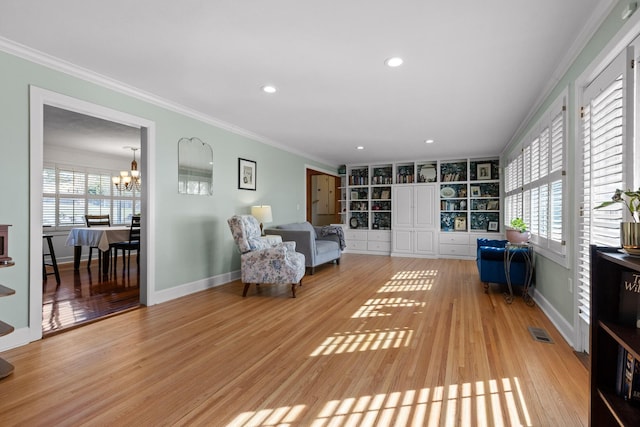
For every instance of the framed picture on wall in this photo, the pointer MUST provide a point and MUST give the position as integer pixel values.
(460, 223)
(475, 191)
(247, 170)
(492, 226)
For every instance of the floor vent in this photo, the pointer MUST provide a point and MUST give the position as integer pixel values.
(540, 334)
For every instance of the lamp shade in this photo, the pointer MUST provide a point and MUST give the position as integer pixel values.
(262, 213)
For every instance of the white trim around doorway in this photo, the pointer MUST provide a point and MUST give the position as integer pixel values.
(38, 98)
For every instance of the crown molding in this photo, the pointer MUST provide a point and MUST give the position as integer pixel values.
(57, 64)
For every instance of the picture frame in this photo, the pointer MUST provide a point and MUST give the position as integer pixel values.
(484, 171)
(354, 195)
(493, 205)
(247, 174)
(492, 226)
(475, 191)
(460, 223)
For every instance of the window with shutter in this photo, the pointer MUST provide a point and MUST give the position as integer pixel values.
(49, 195)
(69, 193)
(604, 143)
(536, 180)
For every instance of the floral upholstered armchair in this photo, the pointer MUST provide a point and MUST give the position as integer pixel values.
(262, 261)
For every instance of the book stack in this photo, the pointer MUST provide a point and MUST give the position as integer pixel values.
(628, 376)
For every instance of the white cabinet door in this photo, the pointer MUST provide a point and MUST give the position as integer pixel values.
(426, 242)
(425, 206)
(403, 241)
(402, 206)
(414, 216)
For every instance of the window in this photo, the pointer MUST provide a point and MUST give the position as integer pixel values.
(70, 192)
(535, 179)
(604, 143)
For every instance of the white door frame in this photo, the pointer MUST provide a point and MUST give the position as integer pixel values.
(38, 98)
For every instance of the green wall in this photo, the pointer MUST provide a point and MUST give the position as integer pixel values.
(552, 279)
(192, 239)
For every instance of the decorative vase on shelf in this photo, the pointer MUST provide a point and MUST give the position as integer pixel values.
(630, 237)
(517, 236)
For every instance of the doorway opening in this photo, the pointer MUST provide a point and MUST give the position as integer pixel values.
(85, 294)
(81, 156)
(323, 198)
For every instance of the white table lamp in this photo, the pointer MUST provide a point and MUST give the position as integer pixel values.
(263, 214)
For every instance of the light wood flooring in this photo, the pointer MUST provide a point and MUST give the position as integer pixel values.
(374, 341)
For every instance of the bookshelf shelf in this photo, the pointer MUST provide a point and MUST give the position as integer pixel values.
(624, 414)
(610, 339)
(6, 368)
(625, 336)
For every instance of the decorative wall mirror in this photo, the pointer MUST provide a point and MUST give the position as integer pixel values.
(195, 167)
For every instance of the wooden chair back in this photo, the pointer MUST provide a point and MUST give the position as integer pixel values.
(93, 220)
(134, 231)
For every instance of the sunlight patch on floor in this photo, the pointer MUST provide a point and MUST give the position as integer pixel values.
(483, 403)
(378, 339)
(412, 280)
(378, 307)
(284, 416)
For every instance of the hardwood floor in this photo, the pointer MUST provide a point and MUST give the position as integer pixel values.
(84, 296)
(373, 341)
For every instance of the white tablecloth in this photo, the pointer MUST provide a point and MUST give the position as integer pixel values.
(100, 237)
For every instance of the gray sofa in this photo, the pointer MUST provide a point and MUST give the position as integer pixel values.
(317, 249)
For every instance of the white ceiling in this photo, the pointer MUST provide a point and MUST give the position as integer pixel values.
(75, 131)
(472, 72)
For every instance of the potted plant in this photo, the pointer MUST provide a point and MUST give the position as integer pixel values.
(517, 231)
(629, 230)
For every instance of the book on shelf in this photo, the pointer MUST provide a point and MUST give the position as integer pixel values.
(622, 355)
(627, 379)
(628, 376)
(629, 303)
(634, 394)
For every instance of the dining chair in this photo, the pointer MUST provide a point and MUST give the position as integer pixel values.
(96, 220)
(133, 244)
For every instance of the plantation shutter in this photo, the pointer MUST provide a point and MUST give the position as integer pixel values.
(49, 196)
(603, 140)
(98, 186)
(557, 174)
(71, 197)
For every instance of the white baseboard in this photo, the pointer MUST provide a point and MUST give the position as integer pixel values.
(564, 327)
(17, 338)
(193, 287)
(406, 255)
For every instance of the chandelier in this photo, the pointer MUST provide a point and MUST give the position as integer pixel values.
(128, 180)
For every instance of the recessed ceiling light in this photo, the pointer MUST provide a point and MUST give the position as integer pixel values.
(394, 62)
(359, 147)
(269, 89)
(429, 141)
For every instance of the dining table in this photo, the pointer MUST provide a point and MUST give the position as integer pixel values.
(100, 237)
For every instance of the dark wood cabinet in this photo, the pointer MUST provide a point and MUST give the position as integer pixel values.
(607, 336)
(6, 368)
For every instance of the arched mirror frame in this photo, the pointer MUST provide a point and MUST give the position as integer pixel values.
(195, 167)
